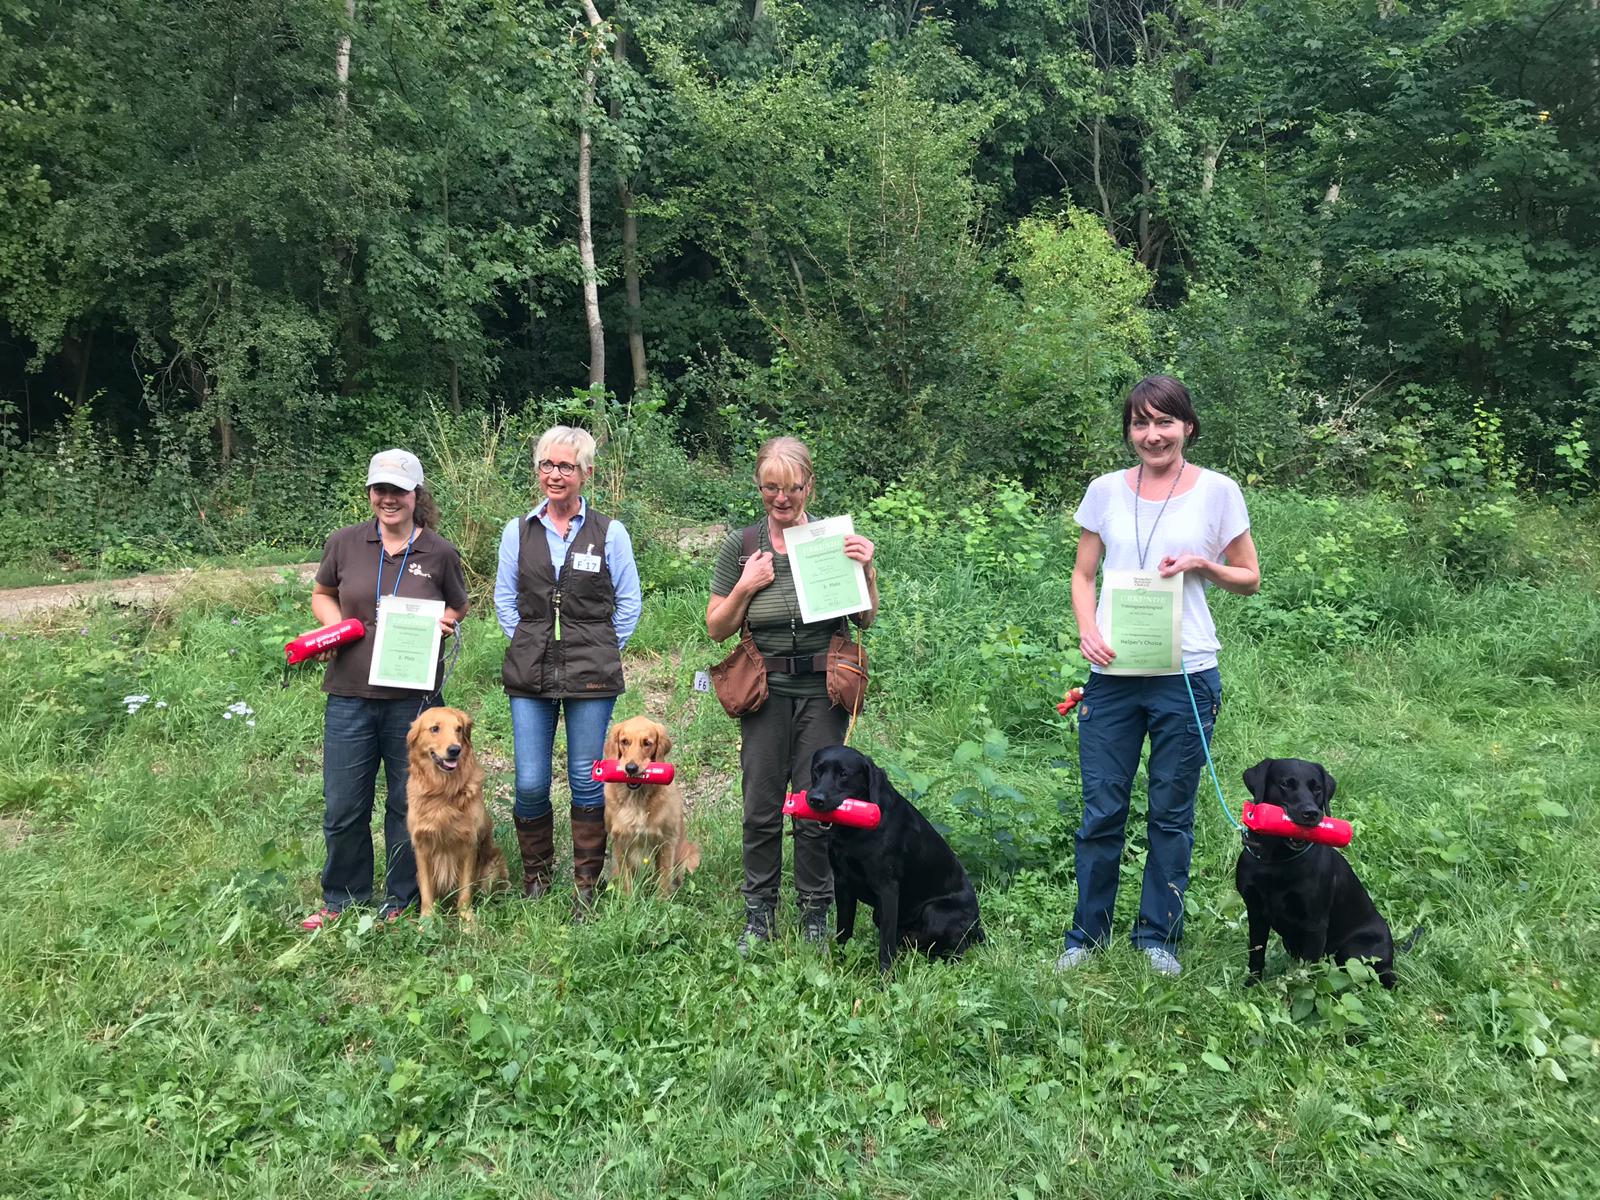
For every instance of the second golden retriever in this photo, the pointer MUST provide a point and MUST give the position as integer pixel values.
(645, 822)
(451, 830)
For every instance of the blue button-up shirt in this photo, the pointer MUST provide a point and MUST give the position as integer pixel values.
(619, 560)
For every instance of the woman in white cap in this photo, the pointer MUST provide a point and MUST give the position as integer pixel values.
(397, 553)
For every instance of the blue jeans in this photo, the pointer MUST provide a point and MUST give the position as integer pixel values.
(1116, 715)
(533, 730)
(358, 734)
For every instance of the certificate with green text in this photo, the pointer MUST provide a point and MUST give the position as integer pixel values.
(1144, 622)
(829, 584)
(406, 652)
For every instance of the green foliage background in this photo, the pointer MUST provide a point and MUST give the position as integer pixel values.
(1363, 232)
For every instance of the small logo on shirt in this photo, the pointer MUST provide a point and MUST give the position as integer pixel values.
(416, 569)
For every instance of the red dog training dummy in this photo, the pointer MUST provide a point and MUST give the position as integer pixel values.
(1274, 822)
(858, 814)
(308, 645)
(609, 770)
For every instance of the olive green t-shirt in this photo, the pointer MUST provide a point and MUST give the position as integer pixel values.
(774, 615)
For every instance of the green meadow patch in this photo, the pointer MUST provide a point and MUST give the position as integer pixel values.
(166, 1030)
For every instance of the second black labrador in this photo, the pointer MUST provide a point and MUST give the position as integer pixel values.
(1306, 892)
(903, 870)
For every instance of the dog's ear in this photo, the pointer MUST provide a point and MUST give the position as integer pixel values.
(880, 789)
(877, 781)
(464, 723)
(663, 742)
(611, 741)
(1329, 786)
(1255, 779)
(415, 731)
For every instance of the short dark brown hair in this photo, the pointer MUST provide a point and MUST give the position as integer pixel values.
(1162, 394)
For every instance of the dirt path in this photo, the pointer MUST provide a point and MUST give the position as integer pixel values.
(139, 591)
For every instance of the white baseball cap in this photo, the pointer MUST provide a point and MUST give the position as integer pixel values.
(398, 467)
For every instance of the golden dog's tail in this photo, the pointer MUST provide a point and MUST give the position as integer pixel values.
(688, 856)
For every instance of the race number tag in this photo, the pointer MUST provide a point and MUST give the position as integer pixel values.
(586, 562)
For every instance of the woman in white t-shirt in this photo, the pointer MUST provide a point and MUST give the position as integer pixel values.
(1171, 516)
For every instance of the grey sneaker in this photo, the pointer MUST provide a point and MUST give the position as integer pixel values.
(814, 924)
(757, 926)
(1073, 956)
(1163, 961)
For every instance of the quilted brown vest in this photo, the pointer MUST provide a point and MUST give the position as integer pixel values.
(583, 660)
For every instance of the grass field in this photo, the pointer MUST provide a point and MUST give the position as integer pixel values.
(165, 1030)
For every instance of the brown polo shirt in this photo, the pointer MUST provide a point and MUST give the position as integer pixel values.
(350, 560)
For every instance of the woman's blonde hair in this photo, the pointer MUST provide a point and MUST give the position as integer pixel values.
(581, 441)
(791, 453)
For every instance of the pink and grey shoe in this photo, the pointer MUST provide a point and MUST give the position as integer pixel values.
(320, 919)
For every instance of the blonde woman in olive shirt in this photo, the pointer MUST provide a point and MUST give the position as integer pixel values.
(778, 739)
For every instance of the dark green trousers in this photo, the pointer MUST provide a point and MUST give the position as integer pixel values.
(776, 745)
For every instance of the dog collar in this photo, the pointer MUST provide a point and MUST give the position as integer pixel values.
(1244, 837)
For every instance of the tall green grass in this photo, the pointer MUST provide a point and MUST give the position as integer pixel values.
(165, 1030)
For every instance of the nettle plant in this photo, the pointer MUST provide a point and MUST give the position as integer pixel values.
(1004, 536)
(998, 831)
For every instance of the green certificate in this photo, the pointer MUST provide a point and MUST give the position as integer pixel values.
(406, 652)
(828, 584)
(1144, 622)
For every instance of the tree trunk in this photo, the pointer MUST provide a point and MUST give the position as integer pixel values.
(341, 64)
(591, 277)
(630, 238)
(344, 251)
(630, 271)
(1099, 180)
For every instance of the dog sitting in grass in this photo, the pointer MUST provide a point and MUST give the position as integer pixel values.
(451, 831)
(645, 821)
(1308, 893)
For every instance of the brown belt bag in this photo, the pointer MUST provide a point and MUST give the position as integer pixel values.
(740, 680)
(847, 671)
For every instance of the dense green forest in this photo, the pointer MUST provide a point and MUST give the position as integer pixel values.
(241, 244)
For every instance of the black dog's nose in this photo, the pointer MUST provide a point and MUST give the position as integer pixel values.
(453, 750)
(631, 768)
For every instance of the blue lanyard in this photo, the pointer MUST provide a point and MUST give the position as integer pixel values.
(378, 599)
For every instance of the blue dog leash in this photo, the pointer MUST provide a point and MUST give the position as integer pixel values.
(1205, 744)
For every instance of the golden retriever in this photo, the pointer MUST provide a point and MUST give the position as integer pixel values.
(451, 830)
(645, 821)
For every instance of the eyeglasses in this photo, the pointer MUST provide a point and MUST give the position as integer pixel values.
(794, 491)
(549, 467)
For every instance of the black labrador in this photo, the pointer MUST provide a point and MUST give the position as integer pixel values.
(1304, 890)
(903, 870)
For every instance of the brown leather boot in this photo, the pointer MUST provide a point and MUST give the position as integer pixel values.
(536, 840)
(588, 857)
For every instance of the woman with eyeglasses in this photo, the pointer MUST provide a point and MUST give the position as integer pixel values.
(778, 739)
(567, 595)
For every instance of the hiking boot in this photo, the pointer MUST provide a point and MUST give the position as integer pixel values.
(757, 926)
(814, 923)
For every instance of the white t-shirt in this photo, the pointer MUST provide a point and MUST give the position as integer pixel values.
(1201, 521)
